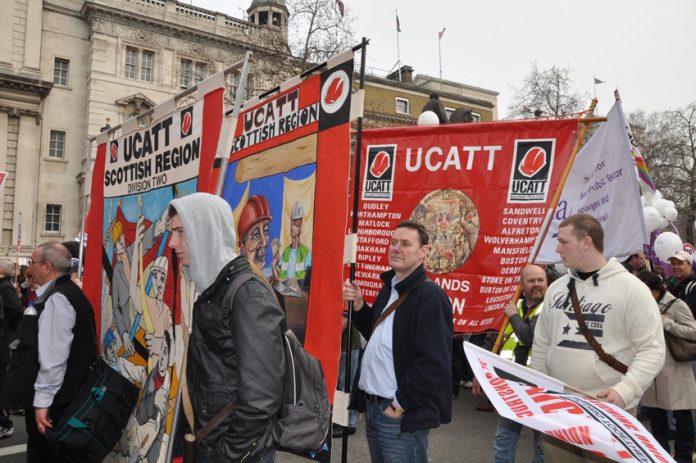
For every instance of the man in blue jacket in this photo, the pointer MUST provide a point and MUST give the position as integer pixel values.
(406, 371)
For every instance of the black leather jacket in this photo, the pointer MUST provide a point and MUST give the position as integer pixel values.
(236, 353)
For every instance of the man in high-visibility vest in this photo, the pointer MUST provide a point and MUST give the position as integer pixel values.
(517, 344)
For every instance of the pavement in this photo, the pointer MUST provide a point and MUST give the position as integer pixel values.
(469, 437)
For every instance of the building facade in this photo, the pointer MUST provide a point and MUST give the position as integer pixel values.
(69, 66)
(397, 99)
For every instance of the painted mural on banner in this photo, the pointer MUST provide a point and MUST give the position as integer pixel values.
(482, 192)
(540, 402)
(287, 183)
(142, 304)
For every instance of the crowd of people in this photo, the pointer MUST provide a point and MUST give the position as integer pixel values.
(408, 364)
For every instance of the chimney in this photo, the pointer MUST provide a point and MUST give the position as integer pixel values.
(406, 74)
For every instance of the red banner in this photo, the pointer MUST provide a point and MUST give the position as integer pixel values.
(482, 192)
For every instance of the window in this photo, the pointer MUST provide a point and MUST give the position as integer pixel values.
(449, 112)
(139, 64)
(185, 73)
(53, 212)
(476, 116)
(402, 106)
(146, 66)
(61, 70)
(201, 72)
(131, 62)
(56, 145)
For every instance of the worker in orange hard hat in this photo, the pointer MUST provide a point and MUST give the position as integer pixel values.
(252, 230)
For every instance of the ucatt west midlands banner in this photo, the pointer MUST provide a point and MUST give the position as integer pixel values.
(287, 183)
(142, 305)
(602, 182)
(540, 402)
(482, 192)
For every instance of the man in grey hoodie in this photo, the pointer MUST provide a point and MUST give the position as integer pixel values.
(235, 350)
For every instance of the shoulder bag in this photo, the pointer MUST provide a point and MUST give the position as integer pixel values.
(682, 350)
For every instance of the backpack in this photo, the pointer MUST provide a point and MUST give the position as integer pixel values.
(303, 422)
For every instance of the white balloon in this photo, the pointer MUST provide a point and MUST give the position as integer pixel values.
(661, 205)
(657, 195)
(644, 201)
(428, 118)
(671, 214)
(652, 218)
(560, 268)
(666, 244)
(663, 223)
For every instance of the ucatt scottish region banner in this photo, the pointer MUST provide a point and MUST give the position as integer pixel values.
(142, 305)
(287, 183)
(539, 402)
(482, 192)
(602, 182)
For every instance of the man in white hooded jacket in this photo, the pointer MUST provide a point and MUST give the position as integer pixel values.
(619, 312)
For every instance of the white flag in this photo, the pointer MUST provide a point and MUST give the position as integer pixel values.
(602, 182)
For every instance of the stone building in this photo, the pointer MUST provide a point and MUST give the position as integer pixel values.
(68, 66)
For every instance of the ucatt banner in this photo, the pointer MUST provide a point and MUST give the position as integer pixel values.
(287, 183)
(539, 402)
(142, 304)
(482, 192)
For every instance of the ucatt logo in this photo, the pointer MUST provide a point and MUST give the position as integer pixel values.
(114, 151)
(531, 171)
(186, 122)
(378, 184)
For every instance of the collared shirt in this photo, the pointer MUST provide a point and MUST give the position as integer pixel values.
(377, 375)
(56, 323)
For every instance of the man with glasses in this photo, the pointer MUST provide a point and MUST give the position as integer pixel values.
(67, 344)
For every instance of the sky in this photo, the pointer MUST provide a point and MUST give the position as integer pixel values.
(644, 48)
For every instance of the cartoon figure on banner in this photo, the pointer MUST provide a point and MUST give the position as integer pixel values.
(296, 260)
(452, 221)
(253, 230)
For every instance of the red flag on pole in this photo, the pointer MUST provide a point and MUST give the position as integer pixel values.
(341, 7)
(441, 33)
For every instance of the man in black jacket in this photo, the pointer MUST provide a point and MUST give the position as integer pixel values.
(406, 370)
(235, 351)
(683, 281)
(10, 315)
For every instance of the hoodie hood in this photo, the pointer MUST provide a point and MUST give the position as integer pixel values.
(611, 268)
(210, 238)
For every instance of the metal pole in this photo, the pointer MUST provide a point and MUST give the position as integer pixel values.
(398, 53)
(239, 98)
(356, 194)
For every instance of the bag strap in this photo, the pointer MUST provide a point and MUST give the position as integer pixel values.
(393, 306)
(228, 409)
(669, 304)
(596, 346)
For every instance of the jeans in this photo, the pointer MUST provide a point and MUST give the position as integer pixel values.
(684, 437)
(354, 360)
(505, 444)
(386, 441)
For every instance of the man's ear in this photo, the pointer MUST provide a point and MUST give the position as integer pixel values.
(425, 250)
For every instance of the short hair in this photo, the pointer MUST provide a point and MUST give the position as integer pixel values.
(653, 281)
(423, 238)
(56, 254)
(168, 342)
(7, 266)
(586, 225)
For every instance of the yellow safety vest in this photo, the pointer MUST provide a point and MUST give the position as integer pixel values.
(510, 340)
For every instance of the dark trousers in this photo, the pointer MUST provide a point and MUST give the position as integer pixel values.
(684, 437)
(38, 450)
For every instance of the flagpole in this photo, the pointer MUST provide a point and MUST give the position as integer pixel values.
(439, 54)
(398, 51)
(549, 214)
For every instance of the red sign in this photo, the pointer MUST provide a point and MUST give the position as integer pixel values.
(482, 192)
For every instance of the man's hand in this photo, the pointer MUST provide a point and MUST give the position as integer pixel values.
(476, 388)
(511, 309)
(128, 347)
(352, 293)
(610, 395)
(43, 422)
